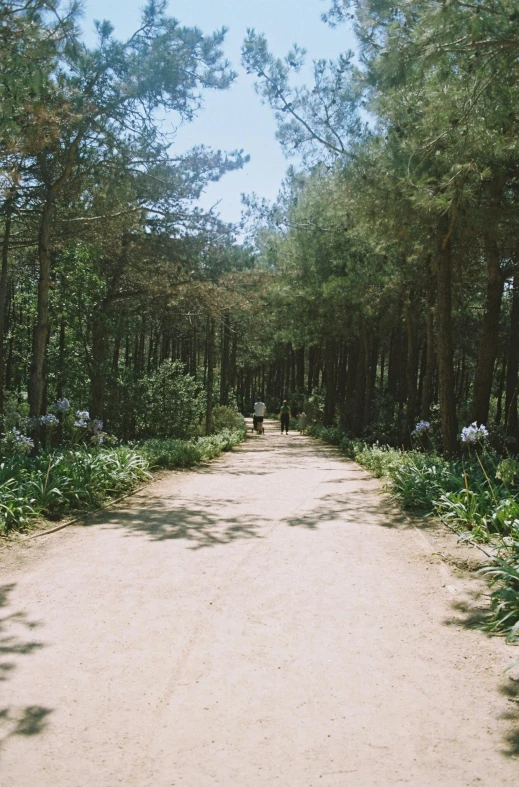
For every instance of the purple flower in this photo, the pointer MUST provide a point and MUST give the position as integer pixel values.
(82, 418)
(474, 433)
(49, 420)
(421, 427)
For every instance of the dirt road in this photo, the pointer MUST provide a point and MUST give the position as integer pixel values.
(265, 620)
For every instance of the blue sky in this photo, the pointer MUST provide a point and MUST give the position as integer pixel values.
(236, 118)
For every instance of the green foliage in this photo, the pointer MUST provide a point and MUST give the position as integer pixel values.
(227, 418)
(170, 454)
(53, 484)
(503, 573)
(173, 402)
(466, 497)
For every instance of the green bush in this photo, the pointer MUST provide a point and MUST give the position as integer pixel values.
(170, 454)
(55, 483)
(174, 404)
(503, 573)
(478, 494)
(227, 418)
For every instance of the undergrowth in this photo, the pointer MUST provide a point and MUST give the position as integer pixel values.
(477, 494)
(54, 483)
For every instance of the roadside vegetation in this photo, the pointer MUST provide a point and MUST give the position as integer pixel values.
(475, 494)
(63, 481)
(79, 466)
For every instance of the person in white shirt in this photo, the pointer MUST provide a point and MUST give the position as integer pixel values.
(257, 420)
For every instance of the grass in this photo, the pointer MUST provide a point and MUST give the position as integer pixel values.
(55, 483)
(170, 454)
(478, 494)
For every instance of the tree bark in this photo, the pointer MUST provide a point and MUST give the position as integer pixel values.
(330, 398)
(3, 298)
(100, 338)
(488, 345)
(512, 371)
(412, 363)
(360, 384)
(225, 360)
(371, 376)
(60, 387)
(446, 393)
(211, 333)
(300, 369)
(428, 377)
(41, 329)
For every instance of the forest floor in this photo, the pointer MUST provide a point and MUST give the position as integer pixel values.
(267, 619)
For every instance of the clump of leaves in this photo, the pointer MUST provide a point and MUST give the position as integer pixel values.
(503, 573)
(170, 454)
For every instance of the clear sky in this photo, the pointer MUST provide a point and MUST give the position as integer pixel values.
(236, 118)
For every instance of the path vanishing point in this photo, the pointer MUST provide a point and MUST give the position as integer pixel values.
(268, 619)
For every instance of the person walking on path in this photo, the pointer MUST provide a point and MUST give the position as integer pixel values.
(259, 413)
(301, 422)
(285, 416)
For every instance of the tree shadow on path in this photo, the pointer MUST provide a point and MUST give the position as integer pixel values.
(356, 505)
(472, 613)
(163, 519)
(14, 626)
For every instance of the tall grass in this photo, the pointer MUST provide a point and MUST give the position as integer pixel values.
(478, 494)
(54, 483)
(170, 454)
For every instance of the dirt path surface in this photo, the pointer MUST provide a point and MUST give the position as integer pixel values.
(265, 620)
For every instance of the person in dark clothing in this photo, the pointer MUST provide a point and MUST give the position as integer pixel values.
(285, 415)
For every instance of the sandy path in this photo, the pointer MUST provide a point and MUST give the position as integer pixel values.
(265, 620)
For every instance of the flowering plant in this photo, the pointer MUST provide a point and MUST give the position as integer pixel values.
(49, 420)
(82, 418)
(17, 442)
(474, 434)
(62, 405)
(421, 427)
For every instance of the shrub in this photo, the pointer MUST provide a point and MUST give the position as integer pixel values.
(170, 454)
(503, 573)
(227, 418)
(58, 482)
(174, 403)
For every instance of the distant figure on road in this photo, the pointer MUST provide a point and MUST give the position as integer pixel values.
(301, 422)
(285, 416)
(257, 419)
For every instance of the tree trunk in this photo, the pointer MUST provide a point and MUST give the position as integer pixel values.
(512, 371)
(446, 394)
(329, 399)
(360, 385)
(300, 369)
(412, 363)
(3, 299)
(60, 387)
(234, 355)
(500, 390)
(371, 376)
(428, 377)
(488, 345)
(225, 360)
(211, 334)
(100, 337)
(311, 362)
(41, 329)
